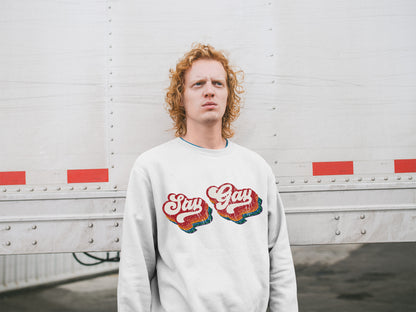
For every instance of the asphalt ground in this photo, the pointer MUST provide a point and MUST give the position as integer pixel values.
(341, 278)
(374, 277)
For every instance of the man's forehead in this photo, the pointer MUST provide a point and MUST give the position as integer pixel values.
(206, 69)
(209, 76)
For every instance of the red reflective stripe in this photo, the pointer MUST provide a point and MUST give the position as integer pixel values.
(12, 177)
(333, 168)
(87, 175)
(404, 165)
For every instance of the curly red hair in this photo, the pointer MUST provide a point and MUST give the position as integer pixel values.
(177, 87)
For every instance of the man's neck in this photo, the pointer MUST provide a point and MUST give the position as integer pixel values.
(207, 138)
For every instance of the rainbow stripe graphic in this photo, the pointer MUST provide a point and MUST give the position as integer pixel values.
(184, 212)
(230, 202)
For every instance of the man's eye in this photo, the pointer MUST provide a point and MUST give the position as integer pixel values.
(198, 84)
(218, 83)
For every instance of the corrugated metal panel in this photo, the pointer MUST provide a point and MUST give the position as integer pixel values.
(21, 271)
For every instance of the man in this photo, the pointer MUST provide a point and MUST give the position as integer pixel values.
(204, 228)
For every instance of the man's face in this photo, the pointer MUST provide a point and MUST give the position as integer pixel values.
(206, 93)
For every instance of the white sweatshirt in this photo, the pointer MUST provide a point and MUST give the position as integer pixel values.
(204, 230)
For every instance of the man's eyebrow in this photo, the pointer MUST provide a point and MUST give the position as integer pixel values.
(211, 77)
(203, 78)
(197, 80)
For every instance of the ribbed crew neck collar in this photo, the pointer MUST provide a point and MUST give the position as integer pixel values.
(203, 150)
(226, 143)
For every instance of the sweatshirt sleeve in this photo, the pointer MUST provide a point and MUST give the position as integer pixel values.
(283, 292)
(138, 248)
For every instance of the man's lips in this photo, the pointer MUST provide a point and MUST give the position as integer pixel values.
(209, 105)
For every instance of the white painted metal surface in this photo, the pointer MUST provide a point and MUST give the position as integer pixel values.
(82, 87)
(71, 223)
(351, 216)
(53, 87)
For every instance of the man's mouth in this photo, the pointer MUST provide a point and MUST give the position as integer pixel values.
(209, 105)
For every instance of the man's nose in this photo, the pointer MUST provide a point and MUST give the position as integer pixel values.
(209, 90)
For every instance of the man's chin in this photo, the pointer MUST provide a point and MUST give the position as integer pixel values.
(212, 121)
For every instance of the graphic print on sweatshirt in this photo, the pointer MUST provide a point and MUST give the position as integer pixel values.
(234, 204)
(187, 213)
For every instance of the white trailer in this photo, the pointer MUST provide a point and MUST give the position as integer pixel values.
(330, 104)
